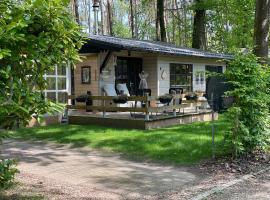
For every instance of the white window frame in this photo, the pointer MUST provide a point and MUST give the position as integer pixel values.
(56, 76)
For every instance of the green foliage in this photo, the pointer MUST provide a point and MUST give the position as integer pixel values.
(34, 37)
(230, 24)
(249, 116)
(7, 172)
(121, 30)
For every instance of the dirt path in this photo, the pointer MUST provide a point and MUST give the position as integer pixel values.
(257, 187)
(73, 173)
(60, 172)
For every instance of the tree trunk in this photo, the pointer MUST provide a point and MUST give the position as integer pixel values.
(101, 16)
(173, 21)
(157, 26)
(110, 17)
(76, 11)
(199, 33)
(132, 19)
(179, 22)
(261, 29)
(89, 16)
(160, 16)
(136, 20)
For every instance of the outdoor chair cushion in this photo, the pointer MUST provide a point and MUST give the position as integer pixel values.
(123, 87)
(109, 90)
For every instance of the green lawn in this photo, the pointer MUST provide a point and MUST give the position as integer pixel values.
(182, 144)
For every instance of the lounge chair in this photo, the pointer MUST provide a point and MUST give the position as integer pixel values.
(109, 89)
(122, 87)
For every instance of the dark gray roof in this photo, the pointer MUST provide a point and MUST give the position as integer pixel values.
(150, 46)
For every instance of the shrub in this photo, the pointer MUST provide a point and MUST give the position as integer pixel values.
(249, 115)
(35, 36)
(7, 167)
(7, 172)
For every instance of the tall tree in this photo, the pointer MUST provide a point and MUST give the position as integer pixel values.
(161, 21)
(101, 17)
(110, 17)
(261, 29)
(199, 33)
(132, 19)
(75, 7)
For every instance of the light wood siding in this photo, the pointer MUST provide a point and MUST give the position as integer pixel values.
(150, 67)
(92, 61)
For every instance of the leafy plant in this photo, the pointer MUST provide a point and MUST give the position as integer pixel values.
(7, 172)
(249, 115)
(34, 37)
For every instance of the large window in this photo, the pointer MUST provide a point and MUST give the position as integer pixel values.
(57, 84)
(181, 76)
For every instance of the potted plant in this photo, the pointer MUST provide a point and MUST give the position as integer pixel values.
(83, 98)
(165, 99)
(120, 99)
(191, 96)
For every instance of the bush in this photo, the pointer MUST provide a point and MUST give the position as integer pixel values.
(249, 115)
(7, 172)
(35, 36)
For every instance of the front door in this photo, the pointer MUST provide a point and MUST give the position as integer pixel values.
(127, 71)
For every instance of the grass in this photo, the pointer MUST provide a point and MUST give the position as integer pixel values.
(181, 144)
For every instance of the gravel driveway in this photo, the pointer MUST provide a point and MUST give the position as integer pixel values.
(61, 172)
(254, 188)
(85, 173)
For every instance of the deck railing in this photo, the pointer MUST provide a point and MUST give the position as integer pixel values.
(147, 108)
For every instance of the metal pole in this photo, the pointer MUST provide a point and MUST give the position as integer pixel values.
(213, 126)
(147, 118)
(95, 9)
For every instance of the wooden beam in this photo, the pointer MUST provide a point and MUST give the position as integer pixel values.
(111, 98)
(105, 61)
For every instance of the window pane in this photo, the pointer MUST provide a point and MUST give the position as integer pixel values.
(172, 69)
(51, 96)
(181, 80)
(172, 80)
(51, 83)
(62, 97)
(61, 70)
(61, 83)
(181, 75)
(180, 69)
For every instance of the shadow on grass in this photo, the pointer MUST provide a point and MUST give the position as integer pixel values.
(182, 144)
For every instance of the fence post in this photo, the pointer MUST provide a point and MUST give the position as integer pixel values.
(146, 107)
(104, 105)
(213, 127)
(174, 112)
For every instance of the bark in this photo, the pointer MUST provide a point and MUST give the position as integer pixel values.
(199, 33)
(173, 21)
(160, 16)
(261, 29)
(76, 11)
(110, 17)
(132, 19)
(135, 19)
(101, 16)
(89, 16)
(179, 22)
(157, 26)
(185, 38)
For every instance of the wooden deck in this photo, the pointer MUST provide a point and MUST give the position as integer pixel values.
(137, 121)
(147, 117)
